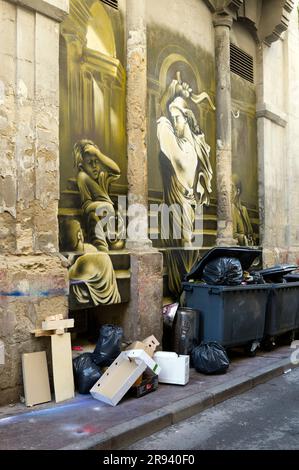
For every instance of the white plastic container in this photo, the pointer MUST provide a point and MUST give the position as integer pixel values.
(174, 368)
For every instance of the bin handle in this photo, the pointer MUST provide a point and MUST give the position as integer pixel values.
(214, 291)
(188, 288)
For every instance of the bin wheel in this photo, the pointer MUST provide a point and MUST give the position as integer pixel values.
(269, 344)
(251, 349)
(250, 353)
(292, 335)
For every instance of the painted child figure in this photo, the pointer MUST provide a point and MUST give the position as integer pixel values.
(95, 174)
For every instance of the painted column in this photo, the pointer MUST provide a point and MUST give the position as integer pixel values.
(143, 316)
(137, 237)
(223, 24)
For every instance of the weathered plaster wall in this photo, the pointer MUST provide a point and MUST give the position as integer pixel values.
(29, 131)
(278, 73)
(32, 280)
(292, 234)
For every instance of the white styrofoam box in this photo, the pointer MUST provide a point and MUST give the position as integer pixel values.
(141, 355)
(174, 368)
(118, 379)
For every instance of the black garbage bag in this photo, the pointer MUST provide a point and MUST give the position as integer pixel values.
(108, 345)
(86, 373)
(210, 358)
(223, 271)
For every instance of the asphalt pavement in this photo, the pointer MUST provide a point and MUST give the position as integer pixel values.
(85, 423)
(264, 418)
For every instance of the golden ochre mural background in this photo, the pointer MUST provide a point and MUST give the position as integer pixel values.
(174, 62)
(92, 151)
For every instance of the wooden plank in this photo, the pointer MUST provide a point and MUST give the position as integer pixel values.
(59, 332)
(38, 333)
(36, 378)
(2, 353)
(58, 324)
(62, 367)
(55, 317)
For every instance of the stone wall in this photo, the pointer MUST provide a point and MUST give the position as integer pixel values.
(277, 93)
(33, 282)
(292, 233)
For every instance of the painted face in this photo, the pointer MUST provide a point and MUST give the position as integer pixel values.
(179, 122)
(91, 165)
(235, 192)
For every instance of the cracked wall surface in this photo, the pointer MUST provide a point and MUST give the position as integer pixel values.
(33, 283)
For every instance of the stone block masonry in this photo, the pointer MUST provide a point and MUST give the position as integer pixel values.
(33, 283)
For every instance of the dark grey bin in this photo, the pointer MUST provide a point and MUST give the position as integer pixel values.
(282, 314)
(294, 279)
(232, 316)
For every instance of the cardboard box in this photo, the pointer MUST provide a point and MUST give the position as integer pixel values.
(118, 379)
(149, 383)
(174, 368)
(140, 355)
(149, 345)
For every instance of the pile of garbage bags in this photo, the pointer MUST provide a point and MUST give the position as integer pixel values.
(87, 366)
(235, 266)
(192, 327)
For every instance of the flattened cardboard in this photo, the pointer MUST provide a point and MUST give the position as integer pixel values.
(118, 379)
(62, 367)
(149, 345)
(36, 378)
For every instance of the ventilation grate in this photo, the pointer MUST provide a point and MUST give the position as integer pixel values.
(111, 3)
(241, 63)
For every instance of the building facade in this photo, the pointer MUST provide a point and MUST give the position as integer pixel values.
(135, 135)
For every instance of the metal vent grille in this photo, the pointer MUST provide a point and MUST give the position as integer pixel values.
(241, 63)
(111, 3)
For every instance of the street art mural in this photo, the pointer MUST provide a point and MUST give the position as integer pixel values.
(181, 151)
(242, 228)
(182, 154)
(245, 209)
(92, 153)
(186, 174)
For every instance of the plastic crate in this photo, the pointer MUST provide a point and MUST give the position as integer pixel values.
(232, 316)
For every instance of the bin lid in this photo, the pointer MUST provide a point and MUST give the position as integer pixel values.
(279, 269)
(292, 277)
(245, 255)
